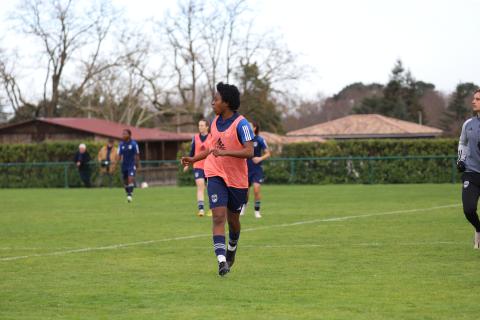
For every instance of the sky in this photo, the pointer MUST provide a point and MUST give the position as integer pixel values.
(345, 41)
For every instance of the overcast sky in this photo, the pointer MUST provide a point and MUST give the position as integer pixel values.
(346, 41)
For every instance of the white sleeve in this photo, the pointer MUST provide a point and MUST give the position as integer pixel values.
(463, 150)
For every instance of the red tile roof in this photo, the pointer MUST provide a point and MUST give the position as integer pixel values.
(114, 130)
(273, 138)
(367, 126)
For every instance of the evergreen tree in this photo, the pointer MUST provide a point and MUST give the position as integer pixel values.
(400, 97)
(458, 109)
(257, 103)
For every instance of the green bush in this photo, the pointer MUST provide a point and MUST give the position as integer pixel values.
(45, 152)
(402, 170)
(281, 171)
(51, 174)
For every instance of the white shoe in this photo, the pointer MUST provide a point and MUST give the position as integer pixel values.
(242, 212)
(200, 213)
(129, 199)
(257, 214)
(476, 241)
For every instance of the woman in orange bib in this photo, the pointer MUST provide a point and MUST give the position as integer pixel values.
(226, 170)
(199, 144)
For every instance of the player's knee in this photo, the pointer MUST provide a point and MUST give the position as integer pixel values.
(218, 219)
(233, 219)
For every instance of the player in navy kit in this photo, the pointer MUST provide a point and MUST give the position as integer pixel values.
(255, 170)
(129, 154)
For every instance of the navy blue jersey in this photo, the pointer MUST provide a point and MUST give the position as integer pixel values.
(244, 130)
(128, 150)
(259, 145)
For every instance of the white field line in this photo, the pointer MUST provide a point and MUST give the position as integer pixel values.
(362, 244)
(195, 236)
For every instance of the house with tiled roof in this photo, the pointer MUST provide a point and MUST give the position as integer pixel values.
(154, 144)
(278, 139)
(366, 126)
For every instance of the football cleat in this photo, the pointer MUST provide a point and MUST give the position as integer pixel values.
(223, 268)
(257, 214)
(231, 256)
(200, 213)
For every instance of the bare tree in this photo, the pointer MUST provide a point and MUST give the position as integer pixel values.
(129, 90)
(63, 31)
(220, 40)
(184, 32)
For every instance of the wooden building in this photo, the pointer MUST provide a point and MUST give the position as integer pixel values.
(154, 144)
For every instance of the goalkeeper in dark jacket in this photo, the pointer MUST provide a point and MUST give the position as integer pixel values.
(469, 163)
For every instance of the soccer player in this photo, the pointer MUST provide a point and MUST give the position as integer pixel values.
(199, 144)
(255, 170)
(129, 154)
(469, 163)
(226, 170)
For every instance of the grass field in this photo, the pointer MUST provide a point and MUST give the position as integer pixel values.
(320, 252)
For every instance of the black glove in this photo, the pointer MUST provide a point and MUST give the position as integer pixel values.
(461, 166)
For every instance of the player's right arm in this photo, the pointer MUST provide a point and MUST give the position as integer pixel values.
(186, 161)
(463, 150)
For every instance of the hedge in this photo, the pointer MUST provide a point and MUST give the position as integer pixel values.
(45, 151)
(347, 170)
(402, 170)
(50, 174)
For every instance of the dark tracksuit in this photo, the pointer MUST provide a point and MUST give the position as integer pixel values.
(469, 153)
(84, 168)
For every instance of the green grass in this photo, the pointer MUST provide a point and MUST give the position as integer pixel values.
(404, 265)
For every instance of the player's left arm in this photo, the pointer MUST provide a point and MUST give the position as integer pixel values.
(266, 153)
(246, 135)
(463, 149)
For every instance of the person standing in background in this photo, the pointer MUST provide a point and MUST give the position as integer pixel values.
(107, 157)
(82, 159)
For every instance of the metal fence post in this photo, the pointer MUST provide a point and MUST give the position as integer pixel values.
(454, 171)
(65, 172)
(370, 171)
(292, 170)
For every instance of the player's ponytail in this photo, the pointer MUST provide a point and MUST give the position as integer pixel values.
(256, 127)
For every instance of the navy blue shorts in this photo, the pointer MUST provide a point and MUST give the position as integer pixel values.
(220, 195)
(198, 174)
(129, 172)
(255, 176)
